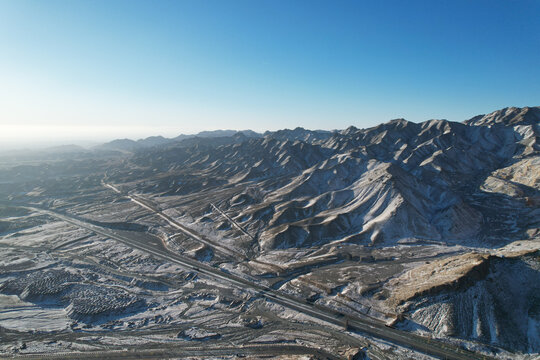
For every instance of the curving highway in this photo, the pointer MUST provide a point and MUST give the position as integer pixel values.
(357, 323)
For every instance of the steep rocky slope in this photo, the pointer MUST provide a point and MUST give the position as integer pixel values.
(470, 183)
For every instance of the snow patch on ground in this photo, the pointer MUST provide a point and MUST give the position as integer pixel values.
(19, 315)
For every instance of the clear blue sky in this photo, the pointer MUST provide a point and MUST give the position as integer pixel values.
(104, 69)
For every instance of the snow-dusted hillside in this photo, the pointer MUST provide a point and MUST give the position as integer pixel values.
(433, 227)
(436, 180)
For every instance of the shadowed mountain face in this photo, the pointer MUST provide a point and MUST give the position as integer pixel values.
(464, 183)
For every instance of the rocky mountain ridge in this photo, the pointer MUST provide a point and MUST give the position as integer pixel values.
(396, 182)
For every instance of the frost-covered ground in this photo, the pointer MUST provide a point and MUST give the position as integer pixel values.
(86, 292)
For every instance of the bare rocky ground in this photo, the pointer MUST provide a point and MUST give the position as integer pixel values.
(431, 227)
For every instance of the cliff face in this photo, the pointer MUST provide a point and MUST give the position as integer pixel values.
(449, 274)
(492, 298)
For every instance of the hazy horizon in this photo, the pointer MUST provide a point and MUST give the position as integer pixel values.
(42, 137)
(75, 71)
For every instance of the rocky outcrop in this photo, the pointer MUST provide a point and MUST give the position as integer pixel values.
(491, 298)
(451, 274)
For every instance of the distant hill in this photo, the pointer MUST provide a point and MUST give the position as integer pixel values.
(225, 136)
(299, 134)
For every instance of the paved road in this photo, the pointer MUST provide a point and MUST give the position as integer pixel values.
(362, 324)
(172, 351)
(228, 252)
(151, 207)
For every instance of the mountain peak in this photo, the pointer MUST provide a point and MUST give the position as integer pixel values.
(508, 116)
